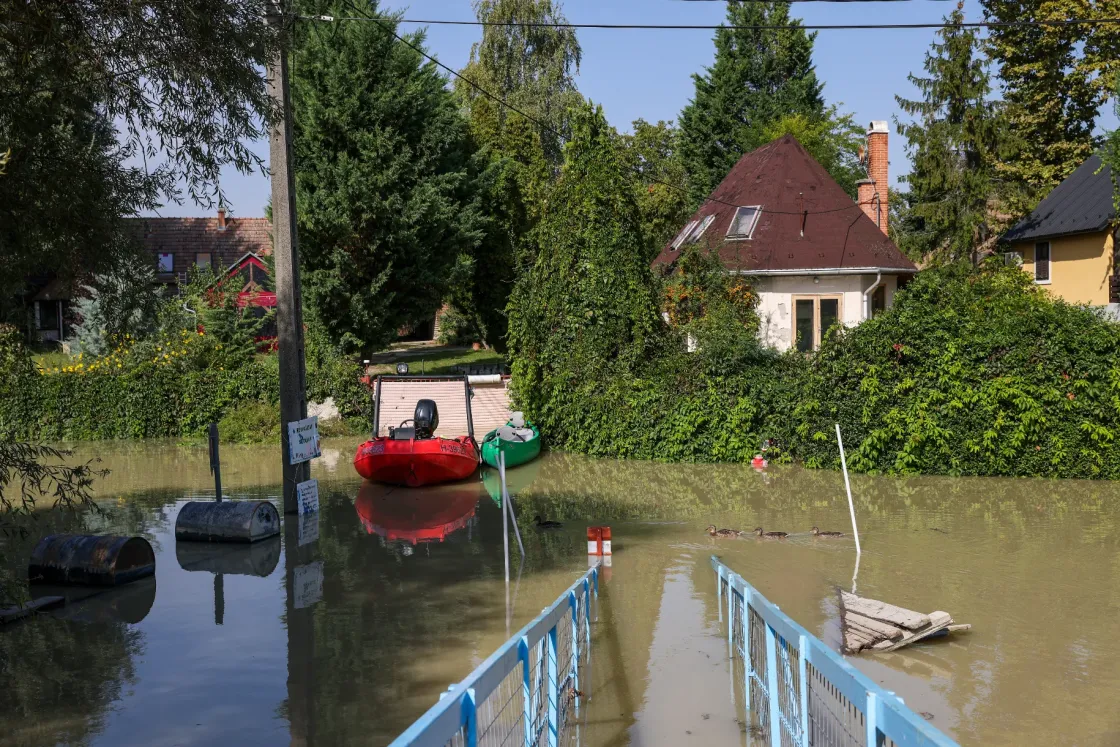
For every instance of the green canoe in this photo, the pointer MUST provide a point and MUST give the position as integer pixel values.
(520, 445)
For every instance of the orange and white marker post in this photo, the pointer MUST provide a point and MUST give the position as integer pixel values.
(599, 546)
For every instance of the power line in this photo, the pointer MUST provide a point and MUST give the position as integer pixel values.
(543, 125)
(755, 27)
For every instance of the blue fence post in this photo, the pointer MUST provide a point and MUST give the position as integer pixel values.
(468, 718)
(772, 687)
(748, 670)
(730, 616)
(575, 649)
(553, 691)
(803, 678)
(526, 689)
(719, 594)
(871, 719)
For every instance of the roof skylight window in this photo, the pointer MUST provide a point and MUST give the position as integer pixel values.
(744, 222)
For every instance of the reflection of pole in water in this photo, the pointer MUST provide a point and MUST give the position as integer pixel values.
(301, 639)
(219, 599)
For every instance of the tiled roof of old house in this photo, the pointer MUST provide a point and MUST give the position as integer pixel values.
(807, 221)
(185, 238)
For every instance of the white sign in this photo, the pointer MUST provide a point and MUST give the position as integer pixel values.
(303, 440)
(308, 528)
(308, 584)
(307, 493)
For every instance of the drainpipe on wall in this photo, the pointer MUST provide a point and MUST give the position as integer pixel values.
(867, 294)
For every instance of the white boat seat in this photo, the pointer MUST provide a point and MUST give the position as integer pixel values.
(508, 433)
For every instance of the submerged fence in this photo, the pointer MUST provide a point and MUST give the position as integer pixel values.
(528, 691)
(797, 691)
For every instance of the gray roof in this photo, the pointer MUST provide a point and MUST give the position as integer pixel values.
(1080, 204)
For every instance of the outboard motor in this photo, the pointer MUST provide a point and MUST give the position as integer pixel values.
(426, 418)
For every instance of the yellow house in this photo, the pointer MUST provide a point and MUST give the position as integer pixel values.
(1067, 244)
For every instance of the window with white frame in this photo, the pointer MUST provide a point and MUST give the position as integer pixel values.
(1042, 262)
(700, 229)
(166, 262)
(743, 224)
(684, 234)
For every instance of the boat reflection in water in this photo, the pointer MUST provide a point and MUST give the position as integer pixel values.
(517, 480)
(416, 515)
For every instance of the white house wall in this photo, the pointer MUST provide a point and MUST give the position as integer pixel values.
(776, 294)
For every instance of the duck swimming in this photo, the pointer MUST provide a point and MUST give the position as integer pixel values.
(818, 533)
(542, 524)
(770, 535)
(713, 532)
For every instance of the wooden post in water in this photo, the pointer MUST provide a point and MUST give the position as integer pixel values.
(285, 248)
(215, 462)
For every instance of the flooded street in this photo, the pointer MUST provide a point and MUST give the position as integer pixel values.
(235, 647)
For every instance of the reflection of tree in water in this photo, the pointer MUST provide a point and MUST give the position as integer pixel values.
(60, 678)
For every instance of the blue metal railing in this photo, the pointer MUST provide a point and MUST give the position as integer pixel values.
(799, 692)
(525, 691)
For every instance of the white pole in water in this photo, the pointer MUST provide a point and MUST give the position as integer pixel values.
(848, 487)
(505, 516)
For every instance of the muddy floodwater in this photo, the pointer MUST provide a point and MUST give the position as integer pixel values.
(348, 628)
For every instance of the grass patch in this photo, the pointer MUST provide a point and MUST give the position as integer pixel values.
(437, 360)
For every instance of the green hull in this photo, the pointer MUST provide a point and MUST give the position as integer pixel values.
(517, 452)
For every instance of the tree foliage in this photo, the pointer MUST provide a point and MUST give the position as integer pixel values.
(385, 180)
(527, 63)
(652, 152)
(123, 301)
(1055, 79)
(108, 108)
(953, 142)
(760, 75)
(589, 303)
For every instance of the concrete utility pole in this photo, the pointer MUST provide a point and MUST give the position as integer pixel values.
(289, 309)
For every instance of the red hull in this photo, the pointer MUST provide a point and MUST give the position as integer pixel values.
(415, 463)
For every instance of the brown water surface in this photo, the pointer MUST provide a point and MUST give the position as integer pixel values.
(238, 646)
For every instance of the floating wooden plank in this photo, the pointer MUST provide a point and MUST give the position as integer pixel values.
(883, 630)
(875, 625)
(10, 614)
(884, 612)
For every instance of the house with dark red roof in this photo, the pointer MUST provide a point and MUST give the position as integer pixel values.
(814, 256)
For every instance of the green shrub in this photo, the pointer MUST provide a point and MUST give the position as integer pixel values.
(969, 372)
(972, 372)
(250, 422)
(457, 327)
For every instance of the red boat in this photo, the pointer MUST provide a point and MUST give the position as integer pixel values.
(416, 516)
(414, 455)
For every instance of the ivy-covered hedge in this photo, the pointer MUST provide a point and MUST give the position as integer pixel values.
(166, 386)
(971, 372)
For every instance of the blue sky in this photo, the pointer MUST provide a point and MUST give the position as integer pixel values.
(648, 74)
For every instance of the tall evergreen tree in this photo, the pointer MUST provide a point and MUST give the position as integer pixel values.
(384, 176)
(759, 76)
(1055, 79)
(952, 142)
(588, 306)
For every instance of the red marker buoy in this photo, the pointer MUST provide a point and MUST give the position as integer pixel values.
(759, 462)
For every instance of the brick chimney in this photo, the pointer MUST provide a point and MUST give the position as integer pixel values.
(221, 219)
(872, 193)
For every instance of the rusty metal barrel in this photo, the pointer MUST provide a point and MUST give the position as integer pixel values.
(90, 560)
(227, 521)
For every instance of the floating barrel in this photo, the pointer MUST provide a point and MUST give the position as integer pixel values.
(258, 559)
(88, 559)
(227, 521)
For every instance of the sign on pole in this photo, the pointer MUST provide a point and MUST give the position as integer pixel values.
(303, 440)
(307, 493)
